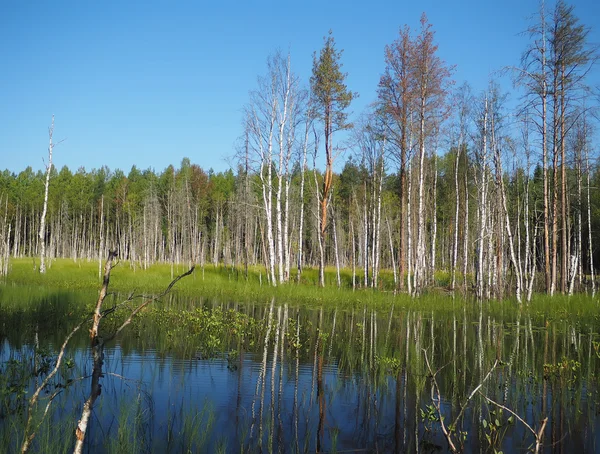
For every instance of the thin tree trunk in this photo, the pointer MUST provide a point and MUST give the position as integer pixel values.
(101, 248)
(353, 256)
(42, 234)
(466, 238)
(434, 216)
(302, 177)
(377, 244)
(455, 245)
(589, 220)
(564, 272)
(337, 257)
(420, 261)
(392, 252)
(409, 230)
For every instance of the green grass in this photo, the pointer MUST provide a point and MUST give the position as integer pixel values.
(222, 283)
(231, 285)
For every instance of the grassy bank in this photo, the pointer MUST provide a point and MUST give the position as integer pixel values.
(232, 284)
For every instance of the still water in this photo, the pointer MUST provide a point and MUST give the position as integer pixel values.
(195, 376)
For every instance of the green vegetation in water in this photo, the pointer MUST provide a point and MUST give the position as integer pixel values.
(374, 333)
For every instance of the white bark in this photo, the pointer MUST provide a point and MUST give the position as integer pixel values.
(42, 233)
(573, 271)
(515, 262)
(409, 235)
(392, 252)
(318, 215)
(589, 221)
(420, 260)
(455, 245)
(101, 248)
(377, 245)
(365, 239)
(482, 205)
(434, 215)
(262, 123)
(302, 177)
(353, 256)
(466, 239)
(335, 245)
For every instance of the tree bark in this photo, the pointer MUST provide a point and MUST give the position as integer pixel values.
(42, 234)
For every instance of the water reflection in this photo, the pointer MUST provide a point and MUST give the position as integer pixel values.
(327, 380)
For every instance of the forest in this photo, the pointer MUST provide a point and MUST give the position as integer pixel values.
(438, 185)
(418, 276)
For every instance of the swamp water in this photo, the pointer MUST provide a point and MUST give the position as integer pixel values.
(192, 376)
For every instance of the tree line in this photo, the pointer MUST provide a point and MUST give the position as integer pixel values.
(439, 185)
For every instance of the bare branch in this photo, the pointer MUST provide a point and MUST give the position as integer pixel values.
(539, 435)
(448, 431)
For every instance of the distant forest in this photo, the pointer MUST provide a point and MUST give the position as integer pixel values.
(438, 185)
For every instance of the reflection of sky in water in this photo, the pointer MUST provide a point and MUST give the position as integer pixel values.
(230, 393)
(362, 410)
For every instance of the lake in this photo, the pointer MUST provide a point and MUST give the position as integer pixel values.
(191, 375)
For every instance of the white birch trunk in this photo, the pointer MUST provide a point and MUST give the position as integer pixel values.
(378, 224)
(302, 177)
(434, 215)
(365, 239)
(589, 222)
(320, 237)
(455, 245)
(279, 223)
(515, 262)
(573, 271)
(335, 245)
(101, 248)
(579, 250)
(466, 238)
(409, 230)
(42, 233)
(482, 206)
(392, 252)
(420, 261)
(353, 256)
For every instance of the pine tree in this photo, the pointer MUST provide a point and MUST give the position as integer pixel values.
(331, 99)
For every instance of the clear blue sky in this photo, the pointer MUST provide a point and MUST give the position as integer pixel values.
(148, 83)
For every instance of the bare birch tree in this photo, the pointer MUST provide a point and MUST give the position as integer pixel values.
(42, 232)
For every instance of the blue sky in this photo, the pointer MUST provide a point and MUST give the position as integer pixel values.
(148, 83)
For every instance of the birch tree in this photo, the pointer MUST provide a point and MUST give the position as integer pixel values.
(42, 232)
(262, 123)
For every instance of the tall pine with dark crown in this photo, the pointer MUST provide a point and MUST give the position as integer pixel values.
(331, 99)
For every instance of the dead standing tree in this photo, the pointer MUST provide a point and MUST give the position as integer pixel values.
(433, 82)
(42, 232)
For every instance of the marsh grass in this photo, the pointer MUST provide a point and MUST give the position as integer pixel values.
(217, 312)
(222, 283)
